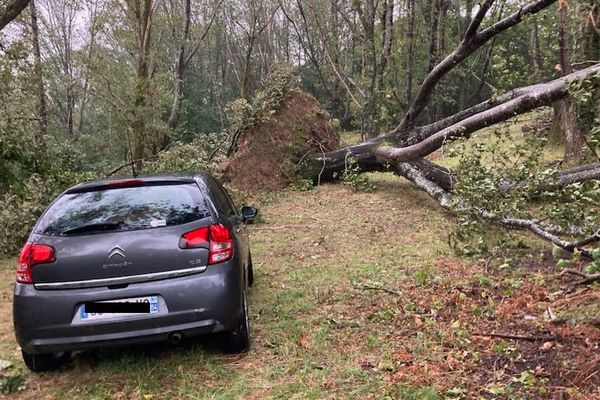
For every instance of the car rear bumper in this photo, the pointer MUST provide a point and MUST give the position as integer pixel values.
(197, 304)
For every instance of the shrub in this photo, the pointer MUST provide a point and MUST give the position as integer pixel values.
(202, 154)
(20, 209)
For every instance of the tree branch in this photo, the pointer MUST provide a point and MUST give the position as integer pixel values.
(445, 200)
(206, 30)
(587, 278)
(539, 95)
(512, 20)
(464, 50)
(11, 11)
(478, 19)
(333, 66)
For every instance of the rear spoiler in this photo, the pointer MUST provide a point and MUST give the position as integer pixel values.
(127, 183)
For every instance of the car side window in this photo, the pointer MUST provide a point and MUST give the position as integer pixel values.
(222, 201)
(230, 201)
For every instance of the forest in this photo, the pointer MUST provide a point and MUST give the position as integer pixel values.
(480, 119)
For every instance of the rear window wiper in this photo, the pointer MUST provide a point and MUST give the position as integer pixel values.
(99, 226)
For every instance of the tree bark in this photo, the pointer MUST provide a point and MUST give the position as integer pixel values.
(410, 37)
(386, 43)
(10, 11)
(178, 71)
(540, 229)
(94, 13)
(307, 46)
(42, 114)
(536, 55)
(142, 13)
(574, 135)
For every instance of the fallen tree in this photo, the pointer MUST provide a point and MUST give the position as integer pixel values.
(403, 153)
(403, 149)
(541, 229)
(380, 153)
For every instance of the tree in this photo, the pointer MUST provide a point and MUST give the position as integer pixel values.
(567, 109)
(141, 13)
(42, 113)
(59, 25)
(182, 60)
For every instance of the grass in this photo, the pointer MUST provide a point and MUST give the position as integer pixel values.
(317, 332)
(308, 253)
(324, 328)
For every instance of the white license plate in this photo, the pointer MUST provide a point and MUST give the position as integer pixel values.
(152, 300)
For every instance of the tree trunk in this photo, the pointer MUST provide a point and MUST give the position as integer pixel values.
(387, 21)
(591, 45)
(42, 114)
(247, 64)
(93, 31)
(536, 56)
(410, 37)
(573, 134)
(370, 70)
(537, 96)
(418, 143)
(142, 11)
(178, 71)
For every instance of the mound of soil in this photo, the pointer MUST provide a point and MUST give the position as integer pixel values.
(268, 153)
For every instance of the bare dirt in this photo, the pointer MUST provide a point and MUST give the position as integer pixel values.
(268, 152)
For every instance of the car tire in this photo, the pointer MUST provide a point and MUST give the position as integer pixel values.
(238, 339)
(46, 361)
(250, 271)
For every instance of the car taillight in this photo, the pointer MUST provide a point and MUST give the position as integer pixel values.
(32, 254)
(194, 239)
(221, 244)
(216, 238)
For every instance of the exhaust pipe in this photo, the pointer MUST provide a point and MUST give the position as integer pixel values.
(175, 338)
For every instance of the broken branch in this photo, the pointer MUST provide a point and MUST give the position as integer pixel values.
(515, 337)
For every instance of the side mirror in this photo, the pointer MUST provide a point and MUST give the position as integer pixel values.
(248, 214)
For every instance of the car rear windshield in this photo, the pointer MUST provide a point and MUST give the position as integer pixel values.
(123, 209)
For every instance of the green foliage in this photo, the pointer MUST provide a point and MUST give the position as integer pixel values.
(202, 154)
(301, 184)
(412, 393)
(279, 84)
(509, 178)
(11, 380)
(20, 209)
(12, 384)
(594, 266)
(266, 102)
(353, 177)
(18, 157)
(587, 94)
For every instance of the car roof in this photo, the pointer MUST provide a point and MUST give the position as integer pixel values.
(154, 178)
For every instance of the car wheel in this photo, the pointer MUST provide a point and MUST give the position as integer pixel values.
(45, 362)
(250, 271)
(238, 339)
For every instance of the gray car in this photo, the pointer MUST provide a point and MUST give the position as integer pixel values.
(122, 261)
